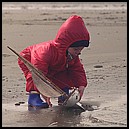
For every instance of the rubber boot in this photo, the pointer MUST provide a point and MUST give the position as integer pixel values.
(34, 100)
(61, 99)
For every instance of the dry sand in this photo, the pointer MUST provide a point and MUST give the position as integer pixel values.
(105, 62)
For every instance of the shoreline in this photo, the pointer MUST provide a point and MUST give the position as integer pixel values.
(64, 6)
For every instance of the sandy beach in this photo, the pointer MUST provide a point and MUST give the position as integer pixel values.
(105, 62)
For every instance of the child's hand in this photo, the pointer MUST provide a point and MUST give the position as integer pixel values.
(47, 99)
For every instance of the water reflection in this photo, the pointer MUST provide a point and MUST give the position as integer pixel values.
(67, 117)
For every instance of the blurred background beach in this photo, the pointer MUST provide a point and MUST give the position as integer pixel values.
(105, 61)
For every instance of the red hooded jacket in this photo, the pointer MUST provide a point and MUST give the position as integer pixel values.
(50, 57)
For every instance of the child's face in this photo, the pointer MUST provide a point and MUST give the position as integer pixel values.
(75, 51)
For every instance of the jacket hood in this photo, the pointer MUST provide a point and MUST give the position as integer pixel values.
(72, 30)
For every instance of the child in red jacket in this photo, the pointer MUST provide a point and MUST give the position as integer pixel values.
(58, 59)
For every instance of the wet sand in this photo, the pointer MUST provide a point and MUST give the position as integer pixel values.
(105, 62)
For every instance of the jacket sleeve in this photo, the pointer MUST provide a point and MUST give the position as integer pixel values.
(77, 73)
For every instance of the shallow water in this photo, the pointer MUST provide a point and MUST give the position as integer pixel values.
(64, 5)
(56, 116)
